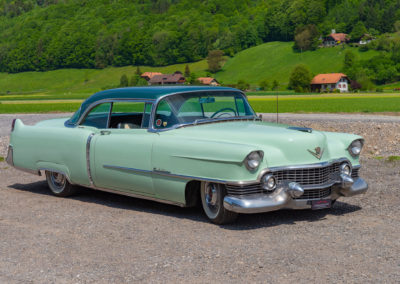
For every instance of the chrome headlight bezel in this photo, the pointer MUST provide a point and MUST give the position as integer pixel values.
(269, 182)
(356, 147)
(345, 168)
(253, 160)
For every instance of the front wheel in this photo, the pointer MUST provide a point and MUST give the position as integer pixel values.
(212, 199)
(59, 184)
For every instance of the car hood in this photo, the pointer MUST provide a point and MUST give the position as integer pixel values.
(281, 145)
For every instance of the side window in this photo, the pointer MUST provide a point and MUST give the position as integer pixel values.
(98, 116)
(127, 115)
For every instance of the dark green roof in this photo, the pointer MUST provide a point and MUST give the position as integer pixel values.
(149, 93)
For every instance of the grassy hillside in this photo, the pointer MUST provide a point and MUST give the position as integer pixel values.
(275, 61)
(269, 61)
(76, 83)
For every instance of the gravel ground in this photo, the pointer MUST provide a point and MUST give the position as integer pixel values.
(97, 237)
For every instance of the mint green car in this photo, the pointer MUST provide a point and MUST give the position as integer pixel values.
(186, 146)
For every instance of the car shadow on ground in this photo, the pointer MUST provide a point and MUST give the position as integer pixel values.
(244, 222)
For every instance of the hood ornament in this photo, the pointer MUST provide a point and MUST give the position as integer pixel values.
(318, 153)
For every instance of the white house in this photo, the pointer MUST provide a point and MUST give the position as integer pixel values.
(330, 82)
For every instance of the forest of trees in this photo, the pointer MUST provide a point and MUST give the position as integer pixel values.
(52, 34)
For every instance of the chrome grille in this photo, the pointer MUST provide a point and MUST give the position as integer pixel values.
(309, 176)
(247, 189)
(315, 193)
(355, 173)
(322, 177)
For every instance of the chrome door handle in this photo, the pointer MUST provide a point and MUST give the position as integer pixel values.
(105, 132)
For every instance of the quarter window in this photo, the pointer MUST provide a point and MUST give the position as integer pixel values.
(98, 116)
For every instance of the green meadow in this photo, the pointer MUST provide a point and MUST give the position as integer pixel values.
(271, 61)
(292, 104)
(275, 61)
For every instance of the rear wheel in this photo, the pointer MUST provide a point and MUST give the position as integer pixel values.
(59, 184)
(212, 199)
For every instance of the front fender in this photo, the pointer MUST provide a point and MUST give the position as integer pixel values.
(202, 158)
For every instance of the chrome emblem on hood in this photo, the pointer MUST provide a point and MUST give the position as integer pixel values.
(318, 153)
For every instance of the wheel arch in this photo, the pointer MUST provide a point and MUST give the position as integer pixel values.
(192, 193)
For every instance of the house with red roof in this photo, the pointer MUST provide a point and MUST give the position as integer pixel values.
(330, 82)
(208, 81)
(168, 79)
(148, 75)
(336, 39)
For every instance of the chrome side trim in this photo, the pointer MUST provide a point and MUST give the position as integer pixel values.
(10, 156)
(168, 174)
(135, 195)
(126, 169)
(162, 173)
(88, 158)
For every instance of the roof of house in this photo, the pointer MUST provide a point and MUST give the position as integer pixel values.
(167, 78)
(150, 74)
(148, 93)
(339, 36)
(331, 78)
(206, 80)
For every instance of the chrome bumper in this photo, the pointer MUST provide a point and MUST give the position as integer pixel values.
(282, 198)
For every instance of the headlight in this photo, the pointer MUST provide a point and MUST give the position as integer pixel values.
(253, 160)
(269, 182)
(345, 169)
(356, 147)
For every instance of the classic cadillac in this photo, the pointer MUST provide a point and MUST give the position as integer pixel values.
(186, 146)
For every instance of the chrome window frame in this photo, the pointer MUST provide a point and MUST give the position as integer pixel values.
(112, 101)
(155, 105)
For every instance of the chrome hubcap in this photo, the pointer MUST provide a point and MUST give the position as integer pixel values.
(211, 195)
(58, 181)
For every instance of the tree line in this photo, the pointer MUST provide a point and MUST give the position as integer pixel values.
(52, 34)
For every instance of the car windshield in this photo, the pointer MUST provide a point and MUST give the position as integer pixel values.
(201, 107)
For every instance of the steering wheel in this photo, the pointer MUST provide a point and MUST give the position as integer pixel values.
(223, 110)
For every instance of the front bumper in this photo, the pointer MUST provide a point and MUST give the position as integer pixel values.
(282, 198)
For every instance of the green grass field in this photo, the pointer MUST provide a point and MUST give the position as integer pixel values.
(275, 61)
(293, 104)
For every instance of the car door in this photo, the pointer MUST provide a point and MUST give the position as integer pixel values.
(120, 155)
